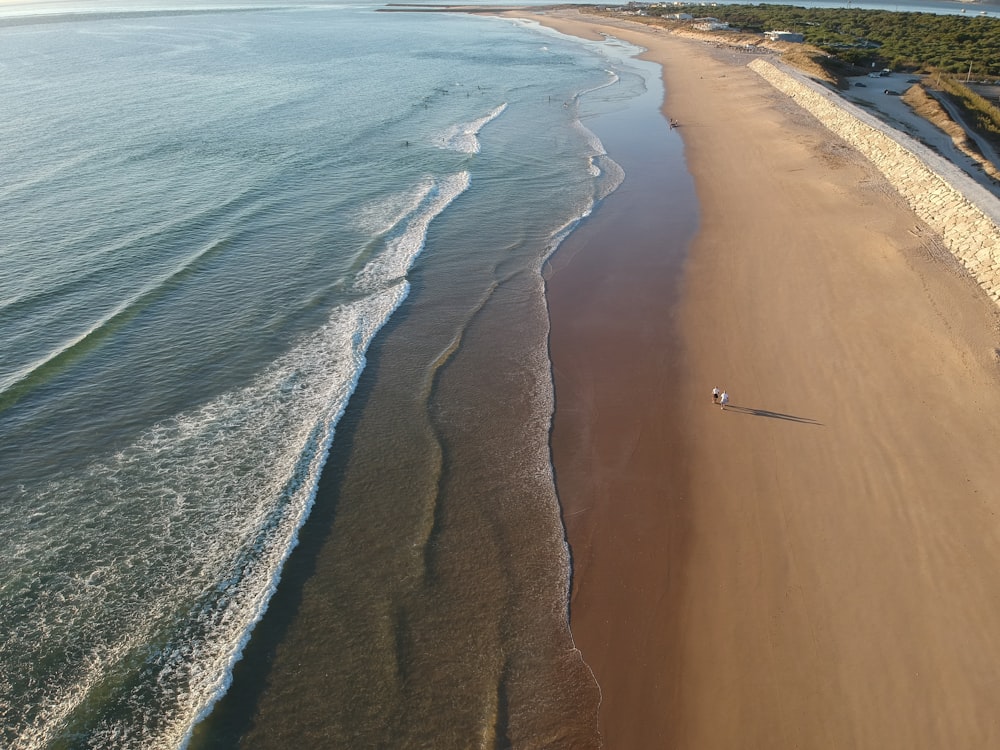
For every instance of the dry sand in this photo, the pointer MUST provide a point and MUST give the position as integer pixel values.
(819, 565)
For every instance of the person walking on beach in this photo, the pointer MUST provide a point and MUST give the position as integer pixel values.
(724, 399)
(715, 395)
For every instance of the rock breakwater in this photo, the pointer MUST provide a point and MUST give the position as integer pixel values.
(964, 214)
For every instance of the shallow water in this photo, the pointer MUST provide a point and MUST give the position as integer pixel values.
(208, 219)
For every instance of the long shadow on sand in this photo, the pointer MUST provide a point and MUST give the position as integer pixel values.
(771, 414)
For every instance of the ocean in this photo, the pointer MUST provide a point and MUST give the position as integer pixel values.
(239, 243)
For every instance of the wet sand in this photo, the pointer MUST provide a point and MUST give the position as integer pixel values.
(816, 565)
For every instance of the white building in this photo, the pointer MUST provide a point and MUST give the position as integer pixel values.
(710, 24)
(784, 36)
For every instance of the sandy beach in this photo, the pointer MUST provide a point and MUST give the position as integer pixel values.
(816, 565)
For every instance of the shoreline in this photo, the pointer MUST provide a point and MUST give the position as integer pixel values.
(812, 567)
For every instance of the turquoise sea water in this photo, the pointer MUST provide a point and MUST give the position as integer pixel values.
(208, 217)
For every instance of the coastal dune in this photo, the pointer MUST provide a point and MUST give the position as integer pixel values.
(814, 566)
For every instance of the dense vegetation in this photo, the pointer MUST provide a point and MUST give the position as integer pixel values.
(842, 42)
(901, 41)
(980, 113)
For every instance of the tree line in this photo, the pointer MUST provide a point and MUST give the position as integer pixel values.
(886, 39)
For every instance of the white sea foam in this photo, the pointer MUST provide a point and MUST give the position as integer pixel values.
(183, 510)
(378, 217)
(188, 517)
(601, 165)
(613, 78)
(464, 137)
(406, 239)
(611, 173)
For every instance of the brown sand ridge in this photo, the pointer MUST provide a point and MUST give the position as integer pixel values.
(818, 566)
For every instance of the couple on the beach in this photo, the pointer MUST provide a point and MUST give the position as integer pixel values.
(720, 397)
